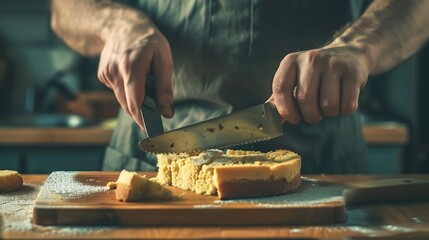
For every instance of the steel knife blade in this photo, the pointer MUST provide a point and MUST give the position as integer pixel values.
(257, 123)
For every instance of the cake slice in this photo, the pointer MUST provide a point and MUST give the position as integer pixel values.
(131, 187)
(230, 175)
(10, 181)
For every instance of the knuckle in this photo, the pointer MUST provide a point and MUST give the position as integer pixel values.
(168, 63)
(125, 63)
(278, 85)
(134, 109)
(314, 56)
(288, 59)
(283, 113)
(109, 74)
(329, 107)
(288, 115)
(351, 69)
(166, 91)
(100, 76)
(349, 107)
(335, 62)
(303, 97)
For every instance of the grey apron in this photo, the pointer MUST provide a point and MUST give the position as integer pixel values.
(226, 53)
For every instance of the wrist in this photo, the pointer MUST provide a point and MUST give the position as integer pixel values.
(365, 51)
(125, 24)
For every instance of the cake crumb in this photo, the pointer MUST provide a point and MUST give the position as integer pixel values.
(112, 185)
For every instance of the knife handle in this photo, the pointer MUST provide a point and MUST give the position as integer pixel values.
(149, 97)
(150, 115)
(386, 190)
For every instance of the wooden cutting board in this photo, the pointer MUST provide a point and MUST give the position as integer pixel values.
(81, 198)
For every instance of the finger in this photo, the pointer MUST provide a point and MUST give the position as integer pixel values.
(284, 83)
(350, 91)
(134, 88)
(329, 93)
(307, 92)
(110, 76)
(102, 69)
(111, 73)
(134, 71)
(102, 76)
(163, 71)
(118, 90)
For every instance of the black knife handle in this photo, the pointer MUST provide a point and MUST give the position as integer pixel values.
(149, 98)
(151, 117)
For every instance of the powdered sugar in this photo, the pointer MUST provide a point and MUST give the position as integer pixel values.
(16, 211)
(17, 207)
(64, 183)
(207, 206)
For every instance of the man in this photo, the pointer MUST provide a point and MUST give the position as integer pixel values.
(225, 55)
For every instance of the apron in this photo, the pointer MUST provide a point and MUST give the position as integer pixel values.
(225, 55)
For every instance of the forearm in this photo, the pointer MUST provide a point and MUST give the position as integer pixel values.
(84, 25)
(388, 32)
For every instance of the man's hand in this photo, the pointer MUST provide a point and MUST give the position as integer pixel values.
(319, 83)
(128, 56)
(130, 48)
(326, 82)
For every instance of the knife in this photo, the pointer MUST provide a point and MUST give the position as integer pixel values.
(254, 124)
(151, 117)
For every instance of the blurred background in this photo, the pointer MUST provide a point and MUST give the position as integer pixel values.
(55, 114)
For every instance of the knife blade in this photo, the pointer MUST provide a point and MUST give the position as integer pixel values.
(151, 117)
(257, 123)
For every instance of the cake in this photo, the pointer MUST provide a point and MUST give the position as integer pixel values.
(233, 174)
(131, 187)
(10, 181)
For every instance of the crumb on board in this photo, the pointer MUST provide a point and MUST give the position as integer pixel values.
(112, 185)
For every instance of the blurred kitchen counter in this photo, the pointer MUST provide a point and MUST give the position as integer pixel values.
(389, 133)
(83, 149)
(55, 136)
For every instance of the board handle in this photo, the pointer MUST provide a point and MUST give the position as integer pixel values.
(386, 190)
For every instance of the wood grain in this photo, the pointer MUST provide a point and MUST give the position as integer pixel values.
(384, 220)
(188, 208)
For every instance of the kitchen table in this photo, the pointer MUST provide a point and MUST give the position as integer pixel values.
(400, 219)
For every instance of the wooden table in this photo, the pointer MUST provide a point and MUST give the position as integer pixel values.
(379, 134)
(410, 219)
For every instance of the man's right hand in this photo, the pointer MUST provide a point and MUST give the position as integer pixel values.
(319, 83)
(130, 53)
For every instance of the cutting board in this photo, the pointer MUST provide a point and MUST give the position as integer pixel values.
(81, 198)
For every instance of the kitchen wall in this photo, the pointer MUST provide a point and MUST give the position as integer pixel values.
(393, 97)
(35, 53)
